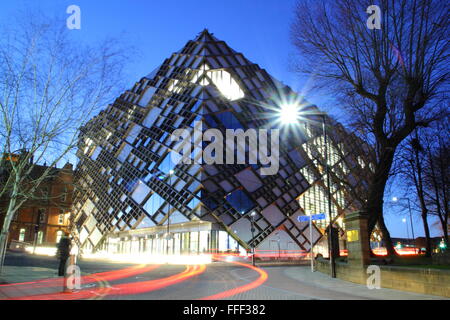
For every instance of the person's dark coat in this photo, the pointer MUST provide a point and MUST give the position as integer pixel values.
(63, 254)
(63, 248)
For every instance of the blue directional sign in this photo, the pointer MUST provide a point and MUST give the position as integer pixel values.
(318, 216)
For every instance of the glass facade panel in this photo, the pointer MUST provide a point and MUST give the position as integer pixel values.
(240, 201)
(229, 121)
(194, 246)
(153, 204)
(141, 192)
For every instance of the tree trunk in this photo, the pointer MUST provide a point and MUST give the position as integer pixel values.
(386, 237)
(374, 204)
(6, 223)
(443, 161)
(421, 195)
(427, 235)
(441, 215)
(444, 223)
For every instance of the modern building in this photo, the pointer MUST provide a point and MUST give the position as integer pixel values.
(137, 197)
(44, 217)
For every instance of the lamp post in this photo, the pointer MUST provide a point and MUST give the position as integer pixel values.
(395, 199)
(327, 172)
(289, 114)
(252, 220)
(407, 230)
(171, 172)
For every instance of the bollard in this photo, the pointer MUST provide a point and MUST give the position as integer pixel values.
(71, 275)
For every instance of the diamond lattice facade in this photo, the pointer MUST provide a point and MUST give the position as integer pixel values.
(134, 197)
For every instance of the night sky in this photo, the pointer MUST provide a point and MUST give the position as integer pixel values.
(257, 28)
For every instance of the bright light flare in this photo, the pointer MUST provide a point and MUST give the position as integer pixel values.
(152, 259)
(289, 113)
(42, 251)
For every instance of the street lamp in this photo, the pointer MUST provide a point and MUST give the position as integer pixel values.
(290, 114)
(171, 172)
(395, 199)
(252, 220)
(407, 230)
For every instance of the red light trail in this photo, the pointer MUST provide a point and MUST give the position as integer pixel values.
(105, 276)
(121, 289)
(249, 286)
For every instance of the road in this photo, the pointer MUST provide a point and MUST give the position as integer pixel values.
(234, 279)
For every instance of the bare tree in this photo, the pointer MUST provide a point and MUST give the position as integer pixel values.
(389, 78)
(437, 175)
(414, 160)
(50, 85)
(425, 168)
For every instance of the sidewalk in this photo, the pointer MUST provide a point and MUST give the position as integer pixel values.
(18, 281)
(16, 274)
(321, 280)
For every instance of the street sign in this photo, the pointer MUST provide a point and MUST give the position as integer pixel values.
(309, 219)
(318, 216)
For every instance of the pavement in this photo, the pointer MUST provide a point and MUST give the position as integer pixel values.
(15, 274)
(331, 288)
(219, 280)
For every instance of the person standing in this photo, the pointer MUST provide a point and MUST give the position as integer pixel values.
(63, 253)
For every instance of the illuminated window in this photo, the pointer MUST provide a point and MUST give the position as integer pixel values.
(40, 237)
(226, 84)
(59, 234)
(22, 235)
(344, 168)
(222, 79)
(309, 174)
(61, 217)
(361, 162)
(314, 200)
(88, 143)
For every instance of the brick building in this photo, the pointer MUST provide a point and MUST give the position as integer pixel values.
(43, 219)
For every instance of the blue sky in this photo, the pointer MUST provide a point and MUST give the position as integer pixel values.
(257, 28)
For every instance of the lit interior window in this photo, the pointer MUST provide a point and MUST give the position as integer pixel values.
(222, 79)
(361, 162)
(59, 235)
(226, 84)
(88, 143)
(203, 69)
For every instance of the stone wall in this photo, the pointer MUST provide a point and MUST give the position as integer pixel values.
(441, 258)
(420, 280)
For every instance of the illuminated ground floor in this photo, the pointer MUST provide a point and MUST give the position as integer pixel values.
(197, 237)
